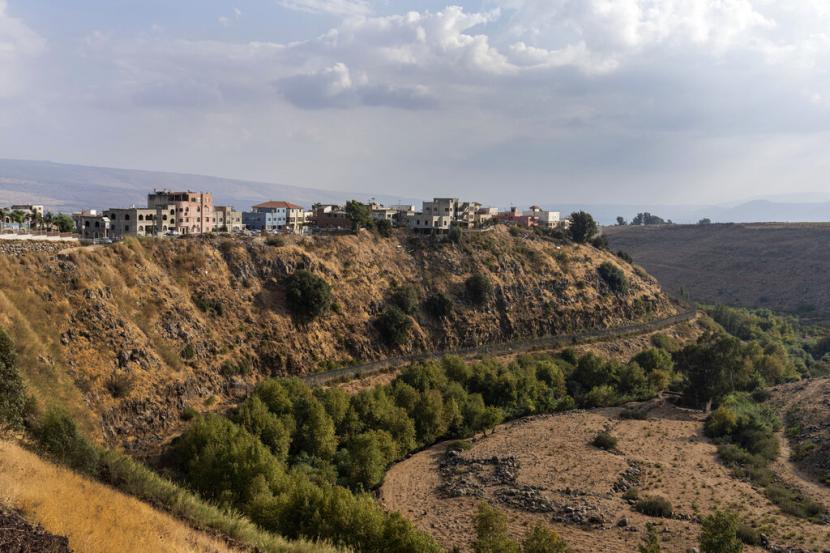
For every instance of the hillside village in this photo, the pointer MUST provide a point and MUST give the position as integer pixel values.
(170, 213)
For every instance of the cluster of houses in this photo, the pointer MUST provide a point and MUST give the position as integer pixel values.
(186, 213)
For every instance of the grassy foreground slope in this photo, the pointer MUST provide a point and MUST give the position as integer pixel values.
(778, 266)
(95, 518)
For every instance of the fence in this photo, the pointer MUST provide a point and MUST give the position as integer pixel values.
(501, 348)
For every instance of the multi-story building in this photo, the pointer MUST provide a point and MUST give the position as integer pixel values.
(135, 221)
(380, 213)
(275, 217)
(183, 212)
(435, 217)
(227, 219)
(330, 217)
(544, 218)
(29, 208)
(92, 225)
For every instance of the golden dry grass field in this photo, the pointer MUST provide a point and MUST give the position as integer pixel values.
(95, 518)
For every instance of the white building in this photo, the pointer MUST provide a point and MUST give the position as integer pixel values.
(547, 219)
(276, 217)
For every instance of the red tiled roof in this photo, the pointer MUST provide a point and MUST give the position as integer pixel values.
(274, 205)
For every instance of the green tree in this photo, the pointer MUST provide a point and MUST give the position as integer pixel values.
(621, 221)
(719, 533)
(64, 222)
(360, 215)
(307, 295)
(478, 288)
(315, 434)
(364, 459)
(541, 539)
(12, 392)
(253, 415)
(393, 326)
(223, 461)
(714, 366)
(491, 532)
(430, 420)
(651, 540)
(583, 227)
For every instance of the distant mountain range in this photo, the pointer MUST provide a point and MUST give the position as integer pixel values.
(64, 187)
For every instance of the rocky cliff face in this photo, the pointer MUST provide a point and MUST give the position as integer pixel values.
(131, 334)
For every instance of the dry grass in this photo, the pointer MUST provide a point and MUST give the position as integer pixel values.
(95, 518)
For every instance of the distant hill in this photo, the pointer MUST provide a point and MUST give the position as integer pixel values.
(780, 266)
(67, 188)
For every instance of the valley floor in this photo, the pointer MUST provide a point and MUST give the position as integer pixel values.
(666, 455)
(95, 518)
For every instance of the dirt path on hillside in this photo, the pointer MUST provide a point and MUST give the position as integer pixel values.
(785, 469)
(557, 464)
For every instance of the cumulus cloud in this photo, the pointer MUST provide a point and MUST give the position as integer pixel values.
(18, 45)
(332, 7)
(335, 87)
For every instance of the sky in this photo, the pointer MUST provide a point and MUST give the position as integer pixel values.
(605, 101)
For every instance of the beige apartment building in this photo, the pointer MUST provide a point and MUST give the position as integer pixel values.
(227, 219)
(183, 212)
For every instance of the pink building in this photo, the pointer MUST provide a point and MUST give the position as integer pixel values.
(183, 212)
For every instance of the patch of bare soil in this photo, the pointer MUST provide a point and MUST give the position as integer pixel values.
(543, 469)
(18, 536)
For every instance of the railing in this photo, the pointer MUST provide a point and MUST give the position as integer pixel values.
(517, 346)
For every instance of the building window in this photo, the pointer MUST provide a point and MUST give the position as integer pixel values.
(141, 217)
(126, 228)
(126, 216)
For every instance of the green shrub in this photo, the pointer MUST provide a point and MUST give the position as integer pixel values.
(275, 241)
(119, 384)
(307, 295)
(12, 392)
(665, 342)
(654, 506)
(491, 532)
(210, 306)
(478, 289)
(58, 437)
(604, 440)
(719, 533)
(614, 277)
(633, 414)
(188, 352)
(189, 413)
(384, 228)
(749, 535)
(625, 256)
(405, 298)
(439, 305)
(393, 326)
(541, 539)
(651, 540)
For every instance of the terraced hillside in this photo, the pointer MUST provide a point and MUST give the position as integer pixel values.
(778, 266)
(128, 337)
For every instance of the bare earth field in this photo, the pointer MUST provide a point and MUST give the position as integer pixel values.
(574, 482)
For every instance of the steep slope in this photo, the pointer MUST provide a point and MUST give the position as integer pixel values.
(128, 336)
(778, 266)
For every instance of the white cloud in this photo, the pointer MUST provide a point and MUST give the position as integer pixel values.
(332, 7)
(18, 45)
